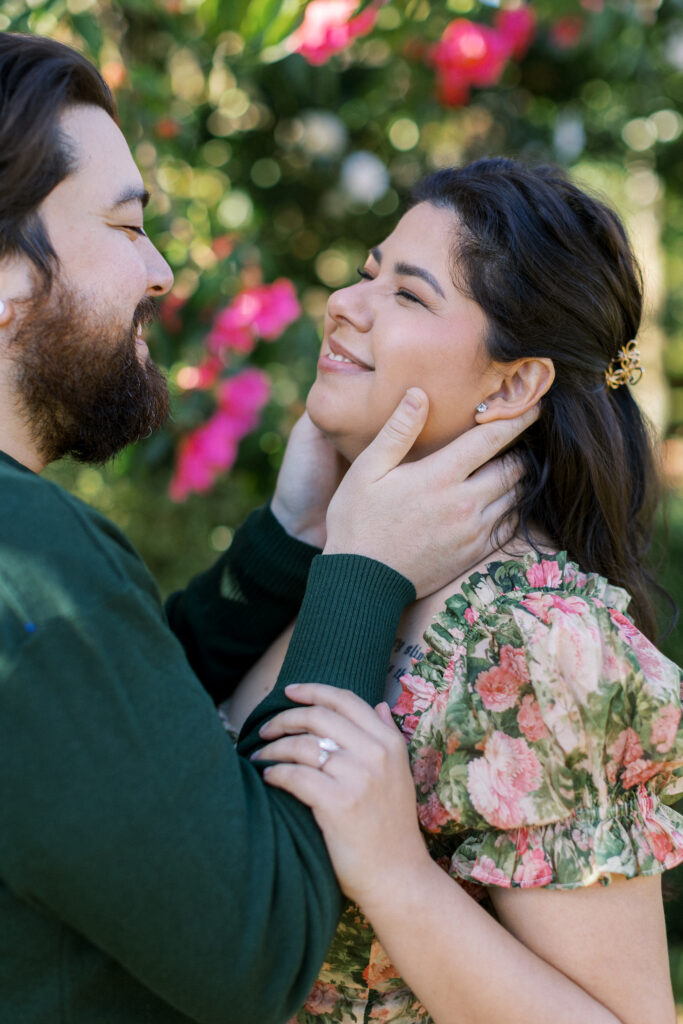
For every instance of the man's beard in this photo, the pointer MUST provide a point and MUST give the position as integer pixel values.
(80, 384)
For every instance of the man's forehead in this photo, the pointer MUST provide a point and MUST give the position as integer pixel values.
(104, 167)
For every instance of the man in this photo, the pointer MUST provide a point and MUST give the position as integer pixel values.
(147, 872)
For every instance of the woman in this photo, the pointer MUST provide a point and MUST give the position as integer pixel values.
(542, 725)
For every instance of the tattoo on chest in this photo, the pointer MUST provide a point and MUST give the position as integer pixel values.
(403, 657)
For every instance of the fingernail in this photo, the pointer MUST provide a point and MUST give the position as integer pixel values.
(291, 686)
(413, 398)
(267, 771)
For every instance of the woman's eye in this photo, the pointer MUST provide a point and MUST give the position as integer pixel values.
(409, 295)
(364, 274)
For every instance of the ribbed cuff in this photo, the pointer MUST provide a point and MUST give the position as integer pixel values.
(347, 625)
(276, 561)
(343, 635)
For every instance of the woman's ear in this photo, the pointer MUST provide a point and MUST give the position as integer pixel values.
(523, 385)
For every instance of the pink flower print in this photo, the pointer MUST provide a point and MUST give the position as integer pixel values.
(426, 768)
(485, 871)
(570, 605)
(471, 615)
(424, 692)
(539, 605)
(625, 750)
(449, 671)
(328, 28)
(639, 771)
(665, 727)
(409, 725)
(534, 870)
(660, 673)
(544, 574)
(380, 967)
(405, 705)
(499, 782)
(521, 840)
(433, 814)
(322, 999)
(513, 659)
(530, 720)
(499, 686)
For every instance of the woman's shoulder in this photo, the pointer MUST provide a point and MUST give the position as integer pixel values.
(539, 705)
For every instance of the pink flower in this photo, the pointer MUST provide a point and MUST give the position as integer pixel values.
(212, 448)
(433, 814)
(530, 720)
(471, 615)
(539, 605)
(467, 54)
(625, 750)
(516, 27)
(322, 999)
(499, 781)
(639, 771)
(422, 691)
(658, 670)
(202, 376)
(328, 28)
(426, 768)
(544, 574)
(665, 727)
(264, 311)
(485, 871)
(409, 725)
(513, 660)
(533, 871)
(498, 689)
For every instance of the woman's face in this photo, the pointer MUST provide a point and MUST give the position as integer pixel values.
(403, 324)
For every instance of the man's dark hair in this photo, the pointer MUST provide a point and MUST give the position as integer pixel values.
(552, 269)
(39, 78)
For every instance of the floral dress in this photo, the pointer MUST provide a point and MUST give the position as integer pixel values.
(543, 733)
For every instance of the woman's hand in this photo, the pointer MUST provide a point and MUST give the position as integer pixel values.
(310, 474)
(361, 794)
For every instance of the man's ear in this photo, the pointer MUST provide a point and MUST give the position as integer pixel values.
(16, 283)
(523, 385)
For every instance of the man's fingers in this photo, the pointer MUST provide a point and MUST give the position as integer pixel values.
(480, 444)
(396, 437)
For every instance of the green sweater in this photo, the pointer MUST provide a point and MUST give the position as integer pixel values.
(147, 873)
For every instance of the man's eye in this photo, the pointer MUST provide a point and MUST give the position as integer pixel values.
(135, 229)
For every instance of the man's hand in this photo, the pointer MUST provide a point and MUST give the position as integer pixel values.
(310, 474)
(431, 520)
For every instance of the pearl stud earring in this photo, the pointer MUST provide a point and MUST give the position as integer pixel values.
(2, 307)
(482, 407)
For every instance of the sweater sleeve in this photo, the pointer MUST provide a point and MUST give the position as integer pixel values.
(128, 815)
(229, 615)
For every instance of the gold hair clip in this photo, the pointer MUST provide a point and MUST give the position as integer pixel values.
(626, 368)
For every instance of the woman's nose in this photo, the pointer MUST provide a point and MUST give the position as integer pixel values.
(351, 305)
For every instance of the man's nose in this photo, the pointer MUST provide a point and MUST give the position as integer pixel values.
(159, 274)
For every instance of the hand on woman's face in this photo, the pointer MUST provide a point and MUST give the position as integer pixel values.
(403, 324)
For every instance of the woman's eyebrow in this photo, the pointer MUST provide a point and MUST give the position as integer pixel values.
(411, 270)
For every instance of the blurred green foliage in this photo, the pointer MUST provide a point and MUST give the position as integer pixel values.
(246, 150)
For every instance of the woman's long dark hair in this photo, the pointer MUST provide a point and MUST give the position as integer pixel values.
(553, 271)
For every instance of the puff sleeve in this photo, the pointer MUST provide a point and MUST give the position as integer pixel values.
(545, 735)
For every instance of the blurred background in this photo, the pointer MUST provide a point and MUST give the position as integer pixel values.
(278, 139)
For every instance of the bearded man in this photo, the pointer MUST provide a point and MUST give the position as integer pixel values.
(146, 871)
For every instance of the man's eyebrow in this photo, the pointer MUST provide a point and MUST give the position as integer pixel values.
(411, 270)
(132, 194)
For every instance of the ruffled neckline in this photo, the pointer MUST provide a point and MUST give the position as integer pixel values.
(534, 573)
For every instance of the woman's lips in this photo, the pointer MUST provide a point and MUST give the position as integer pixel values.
(337, 359)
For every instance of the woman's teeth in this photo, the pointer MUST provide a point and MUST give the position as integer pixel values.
(338, 358)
